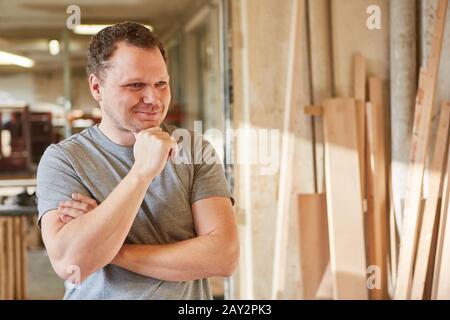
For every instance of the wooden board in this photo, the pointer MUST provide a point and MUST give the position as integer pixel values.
(314, 251)
(24, 258)
(10, 257)
(443, 217)
(287, 150)
(360, 78)
(344, 204)
(431, 206)
(443, 282)
(441, 230)
(17, 258)
(3, 270)
(377, 185)
(419, 149)
(319, 40)
(325, 290)
(241, 111)
(360, 96)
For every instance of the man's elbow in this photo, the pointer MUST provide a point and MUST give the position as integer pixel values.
(74, 271)
(230, 260)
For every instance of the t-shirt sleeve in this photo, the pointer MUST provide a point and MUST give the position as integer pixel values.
(56, 181)
(209, 176)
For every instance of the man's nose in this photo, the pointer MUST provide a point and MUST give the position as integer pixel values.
(150, 95)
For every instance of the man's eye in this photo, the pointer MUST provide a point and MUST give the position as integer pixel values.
(135, 85)
(161, 84)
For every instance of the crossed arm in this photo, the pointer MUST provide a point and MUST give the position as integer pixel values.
(214, 252)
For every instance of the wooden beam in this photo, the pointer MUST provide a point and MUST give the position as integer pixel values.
(360, 78)
(419, 149)
(325, 290)
(24, 259)
(443, 281)
(17, 258)
(319, 12)
(431, 206)
(242, 119)
(377, 181)
(3, 270)
(287, 149)
(344, 204)
(441, 231)
(10, 257)
(314, 111)
(314, 251)
(360, 96)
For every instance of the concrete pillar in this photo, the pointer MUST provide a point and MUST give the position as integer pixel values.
(403, 52)
(260, 46)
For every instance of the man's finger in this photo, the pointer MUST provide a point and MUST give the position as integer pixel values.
(65, 219)
(174, 148)
(74, 213)
(151, 130)
(83, 198)
(76, 205)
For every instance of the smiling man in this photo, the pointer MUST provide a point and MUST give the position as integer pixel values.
(119, 216)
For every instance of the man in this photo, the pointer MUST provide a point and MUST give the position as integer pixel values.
(160, 228)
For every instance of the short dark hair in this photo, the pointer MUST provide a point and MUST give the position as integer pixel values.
(104, 43)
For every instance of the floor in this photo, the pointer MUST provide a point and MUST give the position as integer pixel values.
(43, 283)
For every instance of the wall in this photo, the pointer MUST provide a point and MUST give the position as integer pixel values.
(41, 88)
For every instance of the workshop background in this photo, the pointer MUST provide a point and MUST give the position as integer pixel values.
(359, 91)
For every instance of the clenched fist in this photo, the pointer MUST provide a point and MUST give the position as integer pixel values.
(151, 151)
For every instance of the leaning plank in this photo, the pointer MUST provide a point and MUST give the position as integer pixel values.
(24, 258)
(325, 290)
(243, 188)
(314, 110)
(443, 283)
(344, 204)
(10, 258)
(314, 252)
(377, 181)
(287, 150)
(431, 206)
(418, 155)
(360, 96)
(2, 260)
(360, 78)
(18, 269)
(441, 231)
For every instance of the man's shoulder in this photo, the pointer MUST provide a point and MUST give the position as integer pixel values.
(75, 141)
(69, 146)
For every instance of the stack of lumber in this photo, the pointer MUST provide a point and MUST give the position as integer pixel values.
(12, 258)
(359, 239)
(423, 266)
(357, 203)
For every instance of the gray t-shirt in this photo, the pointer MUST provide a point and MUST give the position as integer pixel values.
(89, 163)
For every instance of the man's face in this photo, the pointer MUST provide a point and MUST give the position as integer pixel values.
(135, 92)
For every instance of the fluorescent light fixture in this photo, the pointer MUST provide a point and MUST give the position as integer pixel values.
(53, 47)
(7, 58)
(91, 29)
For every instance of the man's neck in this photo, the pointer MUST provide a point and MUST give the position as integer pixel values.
(117, 136)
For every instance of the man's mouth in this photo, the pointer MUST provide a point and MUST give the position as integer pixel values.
(147, 116)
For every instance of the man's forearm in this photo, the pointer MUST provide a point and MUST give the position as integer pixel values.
(197, 258)
(94, 239)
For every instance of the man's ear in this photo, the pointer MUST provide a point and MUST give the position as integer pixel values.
(94, 86)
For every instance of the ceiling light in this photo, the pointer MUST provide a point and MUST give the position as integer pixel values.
(53, 47)
(90, 29)
(9, 58)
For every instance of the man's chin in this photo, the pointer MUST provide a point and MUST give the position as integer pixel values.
(144, 125)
